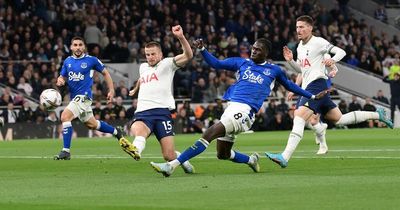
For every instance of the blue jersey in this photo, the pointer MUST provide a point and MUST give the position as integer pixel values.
(254, 81)
(79, 74)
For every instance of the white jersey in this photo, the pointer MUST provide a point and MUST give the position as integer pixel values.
(156, 85)
(310, 57)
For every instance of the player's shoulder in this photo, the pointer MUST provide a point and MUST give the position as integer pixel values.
(319, 39)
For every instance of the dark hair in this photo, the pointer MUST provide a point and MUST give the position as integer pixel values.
(78, 38)
(307, 19)
(266, 44)
(152, 44)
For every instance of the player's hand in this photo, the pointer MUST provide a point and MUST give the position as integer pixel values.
(329, 62)
(287, 54)
(321, 94)
(132, 92)
(177, 31)
(60, 81)
(333, 71)
(290, 96)
(110, 97)
(198, 43)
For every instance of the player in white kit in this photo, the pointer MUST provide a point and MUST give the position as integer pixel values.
(155, 99)
(311, 62)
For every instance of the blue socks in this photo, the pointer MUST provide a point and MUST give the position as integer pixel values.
(104, 127)
(67, 134)
(198, 147)
(238, 157)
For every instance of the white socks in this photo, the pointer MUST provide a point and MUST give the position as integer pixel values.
(357, 117)
(139, 143)
(294, 138)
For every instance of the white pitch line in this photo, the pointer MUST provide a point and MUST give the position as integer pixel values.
(199, 157)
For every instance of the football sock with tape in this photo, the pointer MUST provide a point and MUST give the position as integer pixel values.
(198, 147)
(238, 157)
(105, 127)
(67, 134)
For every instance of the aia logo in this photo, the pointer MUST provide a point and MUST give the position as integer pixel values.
(148, 78)
(305, 63)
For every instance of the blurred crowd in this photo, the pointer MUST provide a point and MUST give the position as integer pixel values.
(35, 38)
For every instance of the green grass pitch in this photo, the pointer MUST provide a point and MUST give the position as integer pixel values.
(361, 171)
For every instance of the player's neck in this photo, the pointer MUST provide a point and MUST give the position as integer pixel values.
(76, 57)
(307, 39)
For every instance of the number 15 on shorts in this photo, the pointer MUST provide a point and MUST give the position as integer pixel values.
(167, 126)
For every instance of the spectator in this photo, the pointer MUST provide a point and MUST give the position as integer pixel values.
(92, 35)
(381, 97)
(381, 14)
(368, 106)
(130, 113)
(26, 114)
(355, 106)
(283, 107)
(25, 87)
(343, 107)
(10, 115)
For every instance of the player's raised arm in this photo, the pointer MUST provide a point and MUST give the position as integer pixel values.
(288, 55)
(110, 85)
(182, 59)
(231, 64)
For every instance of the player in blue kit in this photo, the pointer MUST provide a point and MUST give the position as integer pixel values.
(255, 79)
(77, 69)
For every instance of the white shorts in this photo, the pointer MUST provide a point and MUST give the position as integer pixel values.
(81, 107)
(237, 118)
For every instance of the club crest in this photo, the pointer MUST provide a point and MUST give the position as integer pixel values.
(83, 65)
(267, 72)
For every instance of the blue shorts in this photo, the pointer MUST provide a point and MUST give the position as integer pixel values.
(321, 106)
(159, 121)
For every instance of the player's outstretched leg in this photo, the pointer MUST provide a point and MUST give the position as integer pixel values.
(383, 117)
(126, 146)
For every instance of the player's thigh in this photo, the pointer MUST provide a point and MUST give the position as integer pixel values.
(303, 112)
(139, 128)
(67, 115)
(333, 115)
(168, 148)
(236, 118)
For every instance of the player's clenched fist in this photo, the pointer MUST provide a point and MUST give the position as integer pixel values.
(198, 43)
(177, 31)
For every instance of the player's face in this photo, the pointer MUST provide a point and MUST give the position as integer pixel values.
(303, 30)
(258, 53)
(77, 48)
(153, 55)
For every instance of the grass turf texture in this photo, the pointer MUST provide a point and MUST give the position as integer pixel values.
(361, 171)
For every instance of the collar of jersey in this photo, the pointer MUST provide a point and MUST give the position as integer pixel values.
(83, 55)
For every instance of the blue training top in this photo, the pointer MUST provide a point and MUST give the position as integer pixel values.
(79, 73)
(254, 81)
